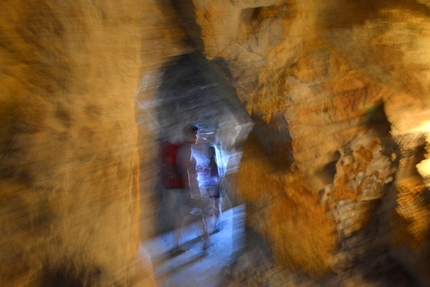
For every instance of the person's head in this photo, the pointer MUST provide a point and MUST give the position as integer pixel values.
(190, 133)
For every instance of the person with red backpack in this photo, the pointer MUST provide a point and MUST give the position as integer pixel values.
(170, 177)
(190, 175)
(174, 179)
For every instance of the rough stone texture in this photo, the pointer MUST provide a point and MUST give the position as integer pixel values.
(313, 75)
(283, 209)
(69, 200)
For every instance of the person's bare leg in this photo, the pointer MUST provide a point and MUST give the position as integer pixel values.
(180, 224)
(207, 218)
(217, 207)
(205, 232)
(220, 201)
(181, 220)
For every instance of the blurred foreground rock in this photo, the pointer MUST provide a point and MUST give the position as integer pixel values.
(69, 170)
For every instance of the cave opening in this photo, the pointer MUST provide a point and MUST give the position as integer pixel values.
(194, 91)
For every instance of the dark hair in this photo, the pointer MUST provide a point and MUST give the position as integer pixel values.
(189, 129)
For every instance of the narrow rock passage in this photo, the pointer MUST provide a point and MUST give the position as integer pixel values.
(196, 267)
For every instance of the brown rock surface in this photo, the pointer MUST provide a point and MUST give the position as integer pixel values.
(285, 211)
(334, 70)
(69, 188)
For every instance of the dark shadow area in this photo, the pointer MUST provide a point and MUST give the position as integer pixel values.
(374, 262)
(195, 91)
(85, 278)
(330, 168)
(275, 138)
(377, 120)
(187, 14)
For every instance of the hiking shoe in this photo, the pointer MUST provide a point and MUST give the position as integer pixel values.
(177, 250)
(218, 227)
(206, 246)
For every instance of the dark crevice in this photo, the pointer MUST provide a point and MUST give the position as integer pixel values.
(67, 278)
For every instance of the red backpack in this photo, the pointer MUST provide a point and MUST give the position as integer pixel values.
(170, 176)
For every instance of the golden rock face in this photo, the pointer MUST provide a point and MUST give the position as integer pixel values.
(69, 189)
(334, 70)
(283, 209)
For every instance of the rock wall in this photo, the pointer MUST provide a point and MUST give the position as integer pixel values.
(69, 175)
(338, 92)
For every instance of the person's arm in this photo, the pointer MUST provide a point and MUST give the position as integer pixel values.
(185, 162)
(191, 173)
